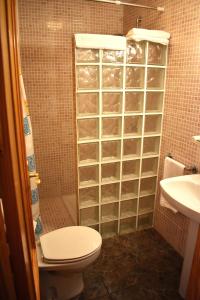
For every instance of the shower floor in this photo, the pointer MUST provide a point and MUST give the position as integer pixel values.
(54, 214)
(136, 266)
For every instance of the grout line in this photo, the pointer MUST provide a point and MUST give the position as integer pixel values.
(161, 131)
(122, 138)
(143, 127)
(100, 136)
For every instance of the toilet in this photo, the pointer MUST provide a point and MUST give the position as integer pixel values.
(63, 254)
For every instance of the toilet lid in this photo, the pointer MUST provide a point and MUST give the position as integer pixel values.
(70, 243)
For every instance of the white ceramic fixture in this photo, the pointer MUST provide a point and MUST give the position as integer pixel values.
(63, 254)
(183, 192)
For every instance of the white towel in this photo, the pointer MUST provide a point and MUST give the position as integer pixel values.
(172, 168)
(100, 41)
(156, 36)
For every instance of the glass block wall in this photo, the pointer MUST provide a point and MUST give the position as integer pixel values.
(119, 120)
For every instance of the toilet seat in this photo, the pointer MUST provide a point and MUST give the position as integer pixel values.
(70, 244)
(69, 261)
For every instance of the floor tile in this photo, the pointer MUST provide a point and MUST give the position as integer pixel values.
(94, 287)
(136, 293)
(140, 265)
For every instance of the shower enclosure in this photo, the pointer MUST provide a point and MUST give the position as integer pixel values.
(119, 105)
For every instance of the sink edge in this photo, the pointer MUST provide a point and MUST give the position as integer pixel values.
(179, 206)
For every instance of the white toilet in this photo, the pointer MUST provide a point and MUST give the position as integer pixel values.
(63, 254)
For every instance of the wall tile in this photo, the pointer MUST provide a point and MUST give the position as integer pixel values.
(47, 30)
(182, 104)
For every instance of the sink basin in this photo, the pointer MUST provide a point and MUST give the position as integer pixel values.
(183, 192)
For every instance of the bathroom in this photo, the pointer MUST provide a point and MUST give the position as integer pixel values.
(142, 252)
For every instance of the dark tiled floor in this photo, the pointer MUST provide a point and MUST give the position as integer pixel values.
(138, 266)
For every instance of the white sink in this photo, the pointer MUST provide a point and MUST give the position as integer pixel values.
(183, 192)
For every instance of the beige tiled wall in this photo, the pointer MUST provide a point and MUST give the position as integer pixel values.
(46, 30)
(182, 100)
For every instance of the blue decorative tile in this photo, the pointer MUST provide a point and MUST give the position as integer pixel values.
(27, 130)
(35, 195)
(38, 229)
(31, 163)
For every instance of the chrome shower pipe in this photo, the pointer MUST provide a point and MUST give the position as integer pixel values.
(118, 2)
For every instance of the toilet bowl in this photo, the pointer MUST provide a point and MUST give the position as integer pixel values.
(63, 254)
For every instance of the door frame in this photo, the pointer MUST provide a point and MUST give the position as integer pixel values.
(7, 287)
(193, 291)
(14, 180)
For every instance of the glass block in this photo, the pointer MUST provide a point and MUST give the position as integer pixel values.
(148, 186)
(110, 172)
(89, 196)
(134, 102)
(133, 125)
(109, 229)
(130, 169)
(110, 192)
(89, 216)
(157, 54)
(111, 103)
(109, 212)
(113, 56)
(155, 78)
(87, 55)
(87, 77)
(154, 102)
(151, 146)
(128, 208)
(146, 204)
(112, 77)
(145, 221)
(131, 148)
(111, 127)
(129, 189)
(88, 129)
(127, 225)
(87, 104)
(88, 175)
(134, 77)
(111, 150)
(135, 52)
(152, 124)
(149, 166)
(88, 153)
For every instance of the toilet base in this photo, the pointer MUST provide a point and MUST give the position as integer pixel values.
(60, 285)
